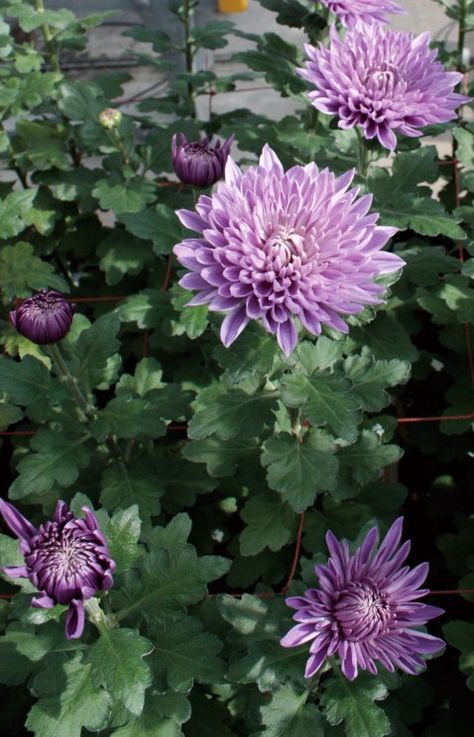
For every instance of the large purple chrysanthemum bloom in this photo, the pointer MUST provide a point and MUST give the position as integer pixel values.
(66, 559)
(43, 318)
(277, 245)
(365, 609)
(368, 11)
(383, 81)
(197, 163)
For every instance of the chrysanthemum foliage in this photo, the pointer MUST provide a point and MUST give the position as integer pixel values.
(235, 351)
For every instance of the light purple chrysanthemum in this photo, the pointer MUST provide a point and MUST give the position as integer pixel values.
(277, 245)
(44, 318)
(197, 162)
(66, 559)
(368, 11)
(365, 609)
(383, 81)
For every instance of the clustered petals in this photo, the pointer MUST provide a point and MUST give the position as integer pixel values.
(276, 245)
(366, 608)
(383, 81)
(66, 559)
(368, 11)
(196, 162)
(44, 318)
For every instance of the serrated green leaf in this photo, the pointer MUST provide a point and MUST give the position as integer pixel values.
(128, 485)
(371, 378)
(253, 617)
(268, 665)
(353, 702)
(120, 197)
(252, 353)
(299, 469)
(122, 533)
(68, 701)
(161, 717)
(126, 417)
(12, 211)
(121, 255)
(118, 666)
(95, 351)
(360, 463)
(185, 653)
(288, 715)
(26, 382)
(325, 399)
(147, 377)
(9, 415)
(385, 338)
(425, 263)
(221, 456)
(227, 412)
(58, 458)
(270, 522)
(21, 272)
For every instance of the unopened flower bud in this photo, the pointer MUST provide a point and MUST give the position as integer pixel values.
(110, 118)
(198, 163)
(44, 318)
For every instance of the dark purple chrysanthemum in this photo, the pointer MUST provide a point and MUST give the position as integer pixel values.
(383, 81)
(365, 609)
(66, 559)
(368, 11)
(198, 163)
(281, 245)
(43, 318)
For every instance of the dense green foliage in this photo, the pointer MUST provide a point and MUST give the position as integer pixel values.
(200, 460)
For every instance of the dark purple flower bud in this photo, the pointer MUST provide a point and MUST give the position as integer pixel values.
(366, 609)
(43, 318)
(198, 163)
(66, 559)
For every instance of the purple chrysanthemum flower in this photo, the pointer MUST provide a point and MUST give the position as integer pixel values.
(43, 318)
(277, 245)
(365, 609)
(368, 11)
(198, 163)
(383, 81)
(66, 559)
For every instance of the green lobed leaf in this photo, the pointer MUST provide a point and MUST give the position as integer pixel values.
(58, 457)
(385, 338)
(126, 417)
(132, 196)
(227, 412)
(95, 351)
(269, 665)
(118, 666)
(325, 399)
(288, 715)
(185, 653)
(147, 377)
(300, 468)
(461, 636)
(162, 716)
(221, 457)
(68, 701)
(21, 272)
(270, 522)
(133, 484)
(353, 702)
(122, 533)
(371, 378)
(9, 415)
(13, 210)
(360, 463)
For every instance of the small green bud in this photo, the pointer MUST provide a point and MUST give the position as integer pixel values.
(110, 118)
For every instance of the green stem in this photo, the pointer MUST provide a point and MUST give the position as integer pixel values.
(88, 410)
(362, 154)
(48, 38)
(188, 52)
(103, 622)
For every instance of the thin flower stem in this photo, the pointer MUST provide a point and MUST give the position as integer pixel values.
(189, 52)
(88, 410)
(48, 38)
(362, 154)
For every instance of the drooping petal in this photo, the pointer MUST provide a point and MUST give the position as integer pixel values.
(75, 618)
(233, 325)
(18, 524)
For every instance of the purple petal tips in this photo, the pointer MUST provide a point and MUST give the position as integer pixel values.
(365, 609)
(44, 318)
(66, 559)
(197, 163)
(282, 246)
(367, 11)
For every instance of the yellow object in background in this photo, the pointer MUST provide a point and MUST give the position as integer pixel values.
(232, 6)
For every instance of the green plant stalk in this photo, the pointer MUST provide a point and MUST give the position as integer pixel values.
(189, 52)
(48, 38)
(87, 409)
(362, 154)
